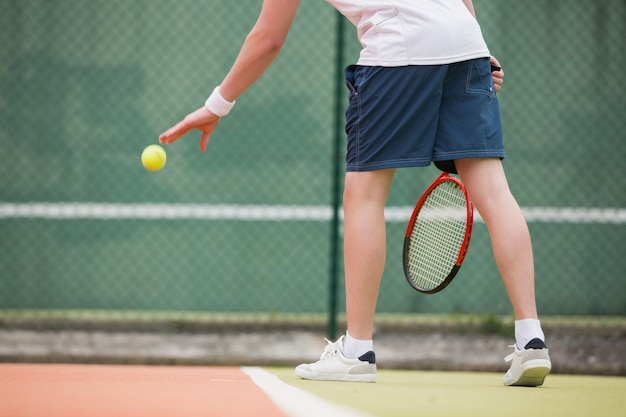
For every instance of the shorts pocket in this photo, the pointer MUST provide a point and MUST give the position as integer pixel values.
(350, 78)
(479, 79)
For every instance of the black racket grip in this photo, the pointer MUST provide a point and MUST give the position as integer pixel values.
(495, 68)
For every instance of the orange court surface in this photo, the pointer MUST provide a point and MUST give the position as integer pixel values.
(131, 391)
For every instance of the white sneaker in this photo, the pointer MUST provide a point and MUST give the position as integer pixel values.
(529, 366)
(334, 366)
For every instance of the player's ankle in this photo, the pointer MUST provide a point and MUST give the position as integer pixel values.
(527, 330)
(354, 348)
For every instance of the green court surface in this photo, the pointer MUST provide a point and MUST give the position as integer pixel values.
(432, 394)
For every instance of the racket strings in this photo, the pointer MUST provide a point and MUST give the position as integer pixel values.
(437, 236)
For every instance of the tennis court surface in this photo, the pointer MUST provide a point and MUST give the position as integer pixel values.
(51, 390)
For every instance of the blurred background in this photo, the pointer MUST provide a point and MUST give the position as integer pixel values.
(247, 231)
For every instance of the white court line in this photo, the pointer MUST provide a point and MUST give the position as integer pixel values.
(295, 402)
(151, 211)
(583, 215)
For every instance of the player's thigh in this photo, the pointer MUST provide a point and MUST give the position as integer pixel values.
(484, 178)
(362, 187)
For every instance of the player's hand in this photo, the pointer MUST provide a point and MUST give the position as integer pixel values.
(498, 76)
(201, 119)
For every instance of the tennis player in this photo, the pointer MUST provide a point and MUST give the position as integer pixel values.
(422, 91)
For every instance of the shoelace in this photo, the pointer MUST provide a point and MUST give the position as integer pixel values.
(510, 357)
(330, 350)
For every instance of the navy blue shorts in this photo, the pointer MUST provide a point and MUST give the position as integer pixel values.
(414, 115)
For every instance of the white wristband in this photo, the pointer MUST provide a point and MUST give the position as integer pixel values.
(217, 104)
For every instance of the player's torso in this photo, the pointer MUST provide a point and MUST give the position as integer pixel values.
(412, 32)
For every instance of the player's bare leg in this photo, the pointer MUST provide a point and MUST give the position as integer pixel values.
(351, 358)
(488, 188)
(512, 248)
(365, 195)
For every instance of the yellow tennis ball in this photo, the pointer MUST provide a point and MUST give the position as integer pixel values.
(153, 158)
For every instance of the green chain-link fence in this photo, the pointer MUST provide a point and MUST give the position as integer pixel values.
(248, 226)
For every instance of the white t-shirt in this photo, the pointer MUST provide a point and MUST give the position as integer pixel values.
(413, 32)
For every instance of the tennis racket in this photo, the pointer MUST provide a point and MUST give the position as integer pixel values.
(438, 235)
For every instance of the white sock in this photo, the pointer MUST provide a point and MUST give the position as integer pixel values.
(527, 330)
(353, 348)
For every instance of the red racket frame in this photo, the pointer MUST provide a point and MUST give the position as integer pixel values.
(444, 177)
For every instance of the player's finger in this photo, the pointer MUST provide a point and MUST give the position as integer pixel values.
(207, 131)
(498, 80)
(175, 132)
(171, 135)
(497, 74)
(204, 140)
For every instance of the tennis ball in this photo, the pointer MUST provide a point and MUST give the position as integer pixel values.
(153, 158)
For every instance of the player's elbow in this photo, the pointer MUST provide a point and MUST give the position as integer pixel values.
(267, 42)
